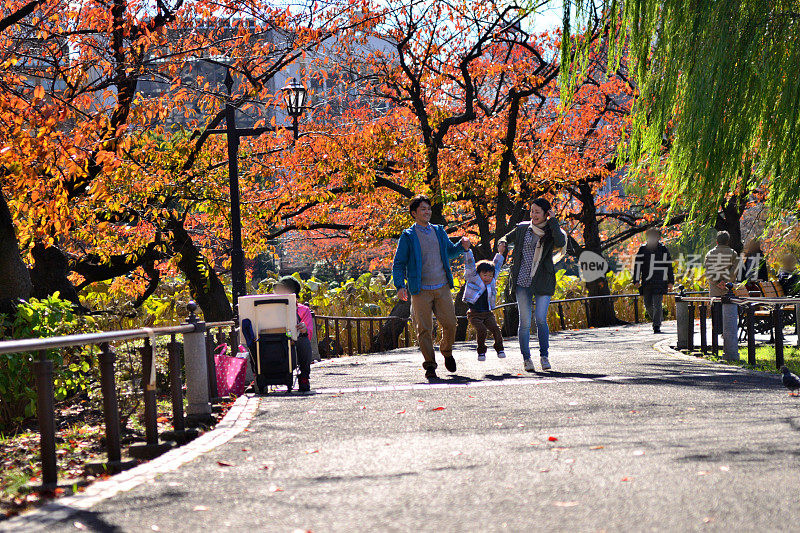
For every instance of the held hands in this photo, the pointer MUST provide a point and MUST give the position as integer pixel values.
(551, 213)
(466, 243)
(402, 294)
(501, 248)
(302, 329)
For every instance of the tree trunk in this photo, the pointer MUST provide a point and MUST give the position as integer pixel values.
(729, 219)
(387, 337)
(462, 324)
(601, 310)
(206, 287)
(15, 281)
(510, 325)
(49, 274)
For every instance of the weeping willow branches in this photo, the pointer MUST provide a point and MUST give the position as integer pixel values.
(718, 109)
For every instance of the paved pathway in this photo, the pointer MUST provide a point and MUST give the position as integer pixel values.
(645, 441)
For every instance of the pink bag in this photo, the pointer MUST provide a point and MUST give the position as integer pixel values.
(230, 373)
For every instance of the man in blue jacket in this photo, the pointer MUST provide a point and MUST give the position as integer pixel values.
(422, 268)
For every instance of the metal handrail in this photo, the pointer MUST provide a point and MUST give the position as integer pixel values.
(82, 339)
(195, 359)
(222, 324)
(509, 304)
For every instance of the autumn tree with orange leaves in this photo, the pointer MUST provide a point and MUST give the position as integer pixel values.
(469, 112)
(102, 179)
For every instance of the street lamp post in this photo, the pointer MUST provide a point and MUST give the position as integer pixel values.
(294, 95)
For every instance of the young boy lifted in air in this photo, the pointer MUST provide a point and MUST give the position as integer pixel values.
(480, 294)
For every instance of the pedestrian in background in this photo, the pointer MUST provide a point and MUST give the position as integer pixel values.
(789, 276)
(653, 275)
(754, 264)
(721, 263)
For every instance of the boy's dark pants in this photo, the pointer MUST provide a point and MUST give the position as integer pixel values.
(484, 322)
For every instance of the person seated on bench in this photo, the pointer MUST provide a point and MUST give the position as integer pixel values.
(305, 325)
(788, 275)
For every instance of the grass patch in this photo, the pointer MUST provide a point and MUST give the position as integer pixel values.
(765, 358)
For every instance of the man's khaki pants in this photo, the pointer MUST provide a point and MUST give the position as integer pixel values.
(424, 305)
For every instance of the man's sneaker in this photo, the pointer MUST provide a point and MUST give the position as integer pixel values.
(545, 363)
(430, 373)
(450, 363)
(501, 354)
(303, 384)
(481, 357)
(529, 365)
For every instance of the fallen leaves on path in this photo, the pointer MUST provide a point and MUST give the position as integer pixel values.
(725, 468)
(200, 508)
(275, 488)
(626, 479)
(438, 409)
(79, 525)
(401, 412)
(312, 451)
(596, 447)
(552, 439)
(223, 463)
(638, 452)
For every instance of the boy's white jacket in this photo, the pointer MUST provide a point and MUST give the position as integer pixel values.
(475, 285)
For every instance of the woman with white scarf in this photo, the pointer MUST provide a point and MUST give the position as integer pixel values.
(533, 275)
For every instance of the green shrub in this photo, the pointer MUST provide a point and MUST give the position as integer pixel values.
(72, 367)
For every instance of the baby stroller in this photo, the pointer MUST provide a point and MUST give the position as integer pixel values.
(269, 330)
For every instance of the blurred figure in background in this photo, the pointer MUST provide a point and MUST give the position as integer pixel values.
(653, 275)
(788, 275)
(721, 263)
(754, 264)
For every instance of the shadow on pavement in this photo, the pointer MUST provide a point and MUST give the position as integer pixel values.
(395, 475)
(91, 522)
(450, 379)
(557, 374)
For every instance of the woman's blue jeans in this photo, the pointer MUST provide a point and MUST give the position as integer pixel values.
(530, 304)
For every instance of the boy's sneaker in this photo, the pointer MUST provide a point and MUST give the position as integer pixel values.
(545, 363)
(481, 357)
(430, 373)
(450, 363)
(501, 354)
(529, 365)
(303, 384)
